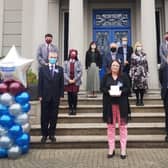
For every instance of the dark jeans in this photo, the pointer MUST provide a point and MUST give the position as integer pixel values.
(72, 100)
(166, 112)
(49, 115)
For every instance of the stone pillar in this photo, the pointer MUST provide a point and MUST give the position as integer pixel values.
(148, 37)
(138, 18)
(76, 31)
(166, 14)
(40, 24)
(1, 24)
(27, 28)
(53, 20)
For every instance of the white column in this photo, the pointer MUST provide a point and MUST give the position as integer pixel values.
(76, 30)
(27, 28)
(53, 20)
(138, 20)
(1, 24)
(40, 24)
(166, 14)
(148, 30)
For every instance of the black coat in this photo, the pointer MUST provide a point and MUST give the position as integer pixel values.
(163, 78)
(123, 99)
(126, 68)
(51, 87)
(98, 59)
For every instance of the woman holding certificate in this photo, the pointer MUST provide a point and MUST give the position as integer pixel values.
(116, 87)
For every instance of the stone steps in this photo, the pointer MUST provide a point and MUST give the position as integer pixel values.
(155, 108)
(97, 117)
(100, 141)
(87, 130)
(100, 129)
(97, 101)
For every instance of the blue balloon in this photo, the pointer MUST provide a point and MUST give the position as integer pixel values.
(3, 153)
(15, 131)
(24, 149)
(3, 109)
(6, 121)
(26, 107)
(24, 139)
(22, 98)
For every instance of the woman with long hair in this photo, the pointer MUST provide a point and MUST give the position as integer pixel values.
(93, 63)
(115, 87)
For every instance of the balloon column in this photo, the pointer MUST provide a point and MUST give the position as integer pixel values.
(14, 108)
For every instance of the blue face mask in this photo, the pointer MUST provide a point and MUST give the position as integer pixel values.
(52, 60)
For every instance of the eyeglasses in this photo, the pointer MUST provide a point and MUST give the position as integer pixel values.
(115, 66)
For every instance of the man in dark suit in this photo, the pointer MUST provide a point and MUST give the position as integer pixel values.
(44, 49)
(51, 89)
(125, 52)
(112, 55)
(163, 77)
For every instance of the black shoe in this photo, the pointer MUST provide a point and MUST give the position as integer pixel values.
(43, 139)
(123, 156)
(70, 112)
(166, 138)
(141, 103)
(111, 155)
(52, 138)
(74, 112)
(137, 103)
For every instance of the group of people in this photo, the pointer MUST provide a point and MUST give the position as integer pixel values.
(125, 68)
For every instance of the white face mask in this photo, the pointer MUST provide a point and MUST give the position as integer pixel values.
(124, 43)
(139, 49)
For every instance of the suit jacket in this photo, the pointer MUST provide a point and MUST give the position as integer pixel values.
(42, 53)
(108, 60)
(51, 87)
(126, 68)
(77, 72)
(163, 53)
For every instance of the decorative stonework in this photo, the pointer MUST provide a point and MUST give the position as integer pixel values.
(112, 20)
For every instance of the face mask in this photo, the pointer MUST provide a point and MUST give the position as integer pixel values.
(48, 41)
(93, 46)
(52, 60)
(113, 49)
(124, 43)
(73, 56)
(166, 38)
(139, 49)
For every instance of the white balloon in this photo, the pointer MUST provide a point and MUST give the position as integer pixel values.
(14, 152)
(22, 119)
(6, 99)
(5, 141)
(13, 66)
(26, 127)
(3, 131)
(15, 109)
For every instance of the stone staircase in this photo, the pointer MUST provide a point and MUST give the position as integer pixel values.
(86, 129)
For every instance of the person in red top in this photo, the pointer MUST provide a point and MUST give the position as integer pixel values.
(72, 79)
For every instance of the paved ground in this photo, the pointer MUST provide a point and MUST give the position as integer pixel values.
(89, 158)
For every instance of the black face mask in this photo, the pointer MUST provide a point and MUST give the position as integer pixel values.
(113, 49)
